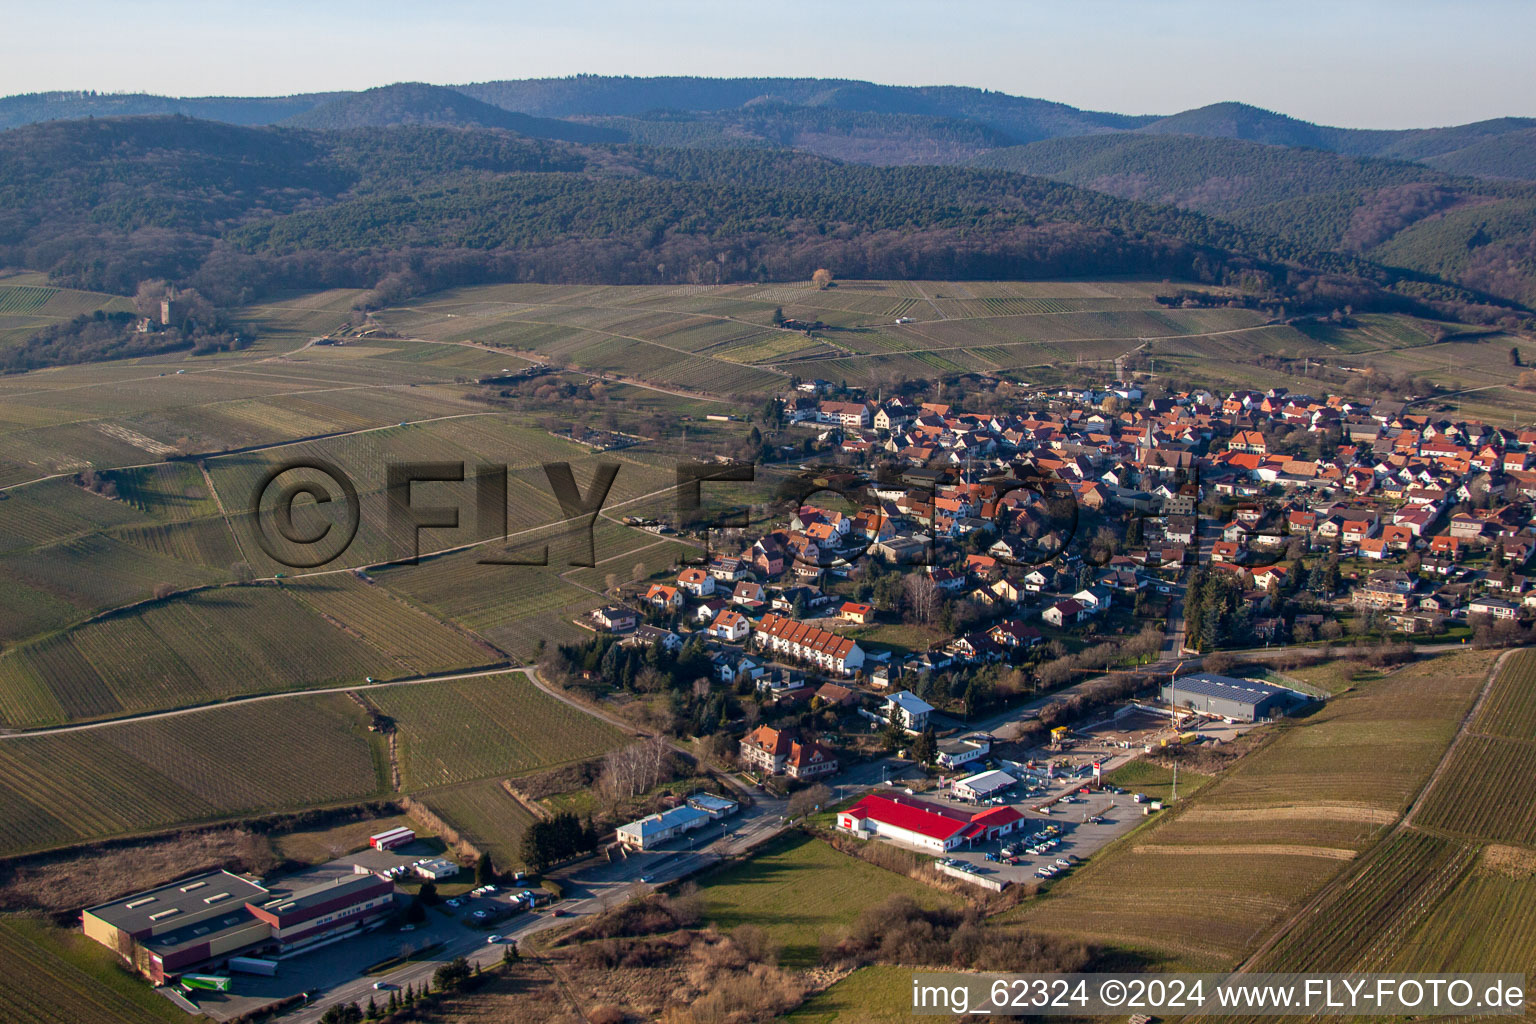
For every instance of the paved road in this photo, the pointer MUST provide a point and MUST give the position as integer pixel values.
(596, 887)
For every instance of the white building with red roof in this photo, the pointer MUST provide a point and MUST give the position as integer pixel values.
(925, 825)
(809, 643)
(730, 625)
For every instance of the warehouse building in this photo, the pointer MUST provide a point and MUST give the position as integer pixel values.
(1237, 700)
(167, 931)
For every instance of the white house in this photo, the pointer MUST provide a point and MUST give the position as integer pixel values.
(914, 710)
(731, 626)
(963, 750)
(696, 582)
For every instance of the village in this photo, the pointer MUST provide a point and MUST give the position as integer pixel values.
(923, 588)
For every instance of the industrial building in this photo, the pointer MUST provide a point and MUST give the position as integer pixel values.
(1237, 700)
(927, 826)
(655, 829)
(166, 931)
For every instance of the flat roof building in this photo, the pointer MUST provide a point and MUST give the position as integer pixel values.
(167, 931)
(715, 806)
(655, 829)
(1241, 700)
(437, 867)
(983, 785)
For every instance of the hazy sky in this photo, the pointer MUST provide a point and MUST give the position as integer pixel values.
(1358, 63)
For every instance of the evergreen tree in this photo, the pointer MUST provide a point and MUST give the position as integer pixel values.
(926, 747)
(895, 730)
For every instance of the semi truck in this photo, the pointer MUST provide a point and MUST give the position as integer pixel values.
(206, 982)
(253, 965)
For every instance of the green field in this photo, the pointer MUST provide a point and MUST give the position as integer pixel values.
(134, 776)
(57, 977)
(870, 995)
(1486, 790)
(799, 890)
(1358, 924)
(1213, 876)
(1487, 923)
(418, 643)
(485, 814)
(208, 646)
(488, 726)
(723, 340)
(1156, 781)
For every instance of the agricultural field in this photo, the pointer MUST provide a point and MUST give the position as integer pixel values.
(723, 340)
(99, 572)
(420, 644)
(494, 725)
(29, 303)
(487, 816)
(1216, 873)
(135, 776)
(58, 977)
(1487, 923)
(1485, 792)
(208, 646)
(517, 606)
(769, 891)
(1360, 921)
(171, 491)
(1156, 781)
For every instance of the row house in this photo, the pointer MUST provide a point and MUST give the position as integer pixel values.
(808, 643)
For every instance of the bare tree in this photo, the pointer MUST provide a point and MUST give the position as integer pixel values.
(923, 598)
(807, 800)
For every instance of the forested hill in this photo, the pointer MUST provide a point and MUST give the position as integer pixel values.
(840, 117)
(1479, 233)
(416, 103)
(234, 211)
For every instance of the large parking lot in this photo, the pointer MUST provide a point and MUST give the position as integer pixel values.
(1072, 826)
(1070, 832)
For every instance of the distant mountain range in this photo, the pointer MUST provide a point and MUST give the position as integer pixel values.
(835, 117)
(614, 178)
